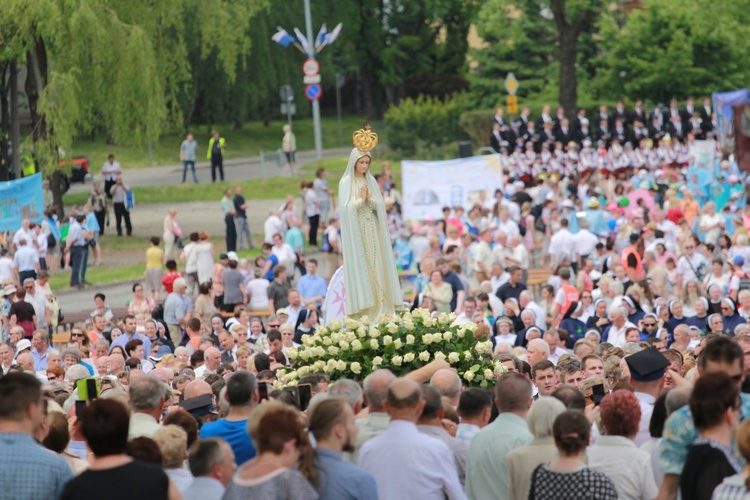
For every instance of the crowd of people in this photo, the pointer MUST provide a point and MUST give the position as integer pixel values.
(617, 300)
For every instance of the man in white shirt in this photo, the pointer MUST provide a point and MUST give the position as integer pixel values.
(552, 338)
(404, 462)
(273, 225)
(25, 261)
(283, 252)
(561, 242)
(711, 223)
(39, 301)
(691, 266)
(585, 240)
(23, 234)
(110, 170)
(212, 464)
(483, 258)
(212, 358)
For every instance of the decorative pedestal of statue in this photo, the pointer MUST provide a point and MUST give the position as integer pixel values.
(371, 281)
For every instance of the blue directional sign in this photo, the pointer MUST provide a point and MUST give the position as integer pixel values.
(313, 92)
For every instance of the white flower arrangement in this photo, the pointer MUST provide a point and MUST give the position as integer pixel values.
(353, 349)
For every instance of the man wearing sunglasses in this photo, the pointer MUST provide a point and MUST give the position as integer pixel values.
(720, 354)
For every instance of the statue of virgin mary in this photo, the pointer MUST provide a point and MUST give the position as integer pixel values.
(372, 284)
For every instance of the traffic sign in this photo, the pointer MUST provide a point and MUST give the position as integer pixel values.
(290, 109)
(311, 79)
(313, 92)
(310, 67)
(511, 84)
(286, 93)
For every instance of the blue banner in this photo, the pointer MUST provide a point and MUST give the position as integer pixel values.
(21, 199)
(723, 103)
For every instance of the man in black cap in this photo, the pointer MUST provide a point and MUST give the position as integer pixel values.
(202, 408)
(647, 369)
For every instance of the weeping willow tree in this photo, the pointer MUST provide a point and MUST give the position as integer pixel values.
(124, 66)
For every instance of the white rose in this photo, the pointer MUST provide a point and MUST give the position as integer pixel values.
(396, 360)
(443, 318)
(424, 356)
(344, 345)
(461, 333)
(304, 354)
(321, 330)
(350, 324)
(387, 339)
(409, 357)
(453, 358)
(331, 363)
(409, 325)
(426, 339)
(439, 356)
(488, 374)
(472, 327)
(308, 340)
(291, 354)
(469, 376)
(500, 368)
(437, 338)
(391, 327)
(349, 337)
(327, 341)
(451, 317)
(374, 332)
(320, 352)
(341, 365)
(364, 320)
(447, 336)
(356, 345)
(429, 321)
(410, 340)
(397, 344)
(361, 332)
(318, 365)
(335, 325)
(336, 338)
(374, 344)
(377, 361)
(356, 368)
(468, 356)
(333, 350)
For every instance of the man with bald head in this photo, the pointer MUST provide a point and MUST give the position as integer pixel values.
(196, 388)
(102, 363)
(26, 361)
(448, 384)
(404, 462)
(212, 360)
(486, 475)
(115, 363)
(375, 388)
(164, 374)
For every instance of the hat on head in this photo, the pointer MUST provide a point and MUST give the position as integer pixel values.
(739, 260)
(594, 202)
(232, 256)
(223, 256)
(22, 345)
(282, 311)
(647, 365)
(9, 289)
(199, 405)
(568, 204)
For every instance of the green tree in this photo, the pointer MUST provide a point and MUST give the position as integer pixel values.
(118, 65)
(676, 49)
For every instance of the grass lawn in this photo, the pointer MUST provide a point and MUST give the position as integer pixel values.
(246, 141)
(259, 189)
(100, 275)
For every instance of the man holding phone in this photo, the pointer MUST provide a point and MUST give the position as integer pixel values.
(242, 396)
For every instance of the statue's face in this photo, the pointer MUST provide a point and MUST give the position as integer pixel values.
(362, 165)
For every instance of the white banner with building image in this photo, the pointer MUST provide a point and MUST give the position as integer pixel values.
(428, 186)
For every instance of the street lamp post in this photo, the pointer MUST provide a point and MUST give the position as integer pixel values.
(311, 47)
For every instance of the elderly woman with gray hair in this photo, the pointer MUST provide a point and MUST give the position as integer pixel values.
(521, 462)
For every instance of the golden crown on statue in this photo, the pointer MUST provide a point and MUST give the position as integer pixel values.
(365, 139)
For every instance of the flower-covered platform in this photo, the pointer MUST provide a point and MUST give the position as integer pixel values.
(355, 348)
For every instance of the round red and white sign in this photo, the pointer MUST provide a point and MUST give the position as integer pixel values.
(310, 67)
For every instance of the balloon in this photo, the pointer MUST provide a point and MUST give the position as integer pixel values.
(612, 224)
(624, 202)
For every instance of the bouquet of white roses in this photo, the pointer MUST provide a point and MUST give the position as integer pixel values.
(353, 349)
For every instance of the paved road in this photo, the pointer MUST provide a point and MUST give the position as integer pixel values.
(236, 169)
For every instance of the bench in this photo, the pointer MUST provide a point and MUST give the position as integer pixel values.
(260, 313)
(536, 279)
(60, 340)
